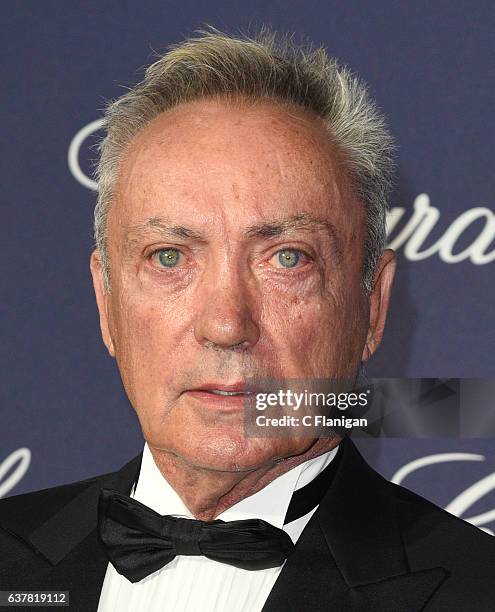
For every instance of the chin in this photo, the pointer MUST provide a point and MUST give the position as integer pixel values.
(231, 454)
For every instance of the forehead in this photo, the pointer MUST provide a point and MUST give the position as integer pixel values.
(210, 159)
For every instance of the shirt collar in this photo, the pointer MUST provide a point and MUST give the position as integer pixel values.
(269, 504)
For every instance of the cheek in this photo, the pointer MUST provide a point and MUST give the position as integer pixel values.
(145, 345)
(292, 328)
(317, 336)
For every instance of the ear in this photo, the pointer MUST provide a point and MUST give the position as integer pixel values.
(379, 300)
(102, 299)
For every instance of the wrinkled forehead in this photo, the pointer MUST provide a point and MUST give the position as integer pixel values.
(243, 162)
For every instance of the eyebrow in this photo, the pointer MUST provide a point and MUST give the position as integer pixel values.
(298, 222)
(157, 225)
(268, 229)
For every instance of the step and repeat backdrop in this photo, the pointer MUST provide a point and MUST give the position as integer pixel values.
(64, 415)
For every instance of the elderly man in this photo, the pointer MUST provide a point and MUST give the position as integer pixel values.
(240, 231)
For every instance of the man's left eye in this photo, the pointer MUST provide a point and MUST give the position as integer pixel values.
(287, 258)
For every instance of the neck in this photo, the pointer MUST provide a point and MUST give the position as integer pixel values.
(207, 493)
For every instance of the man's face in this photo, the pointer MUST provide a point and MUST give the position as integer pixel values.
(236, 249)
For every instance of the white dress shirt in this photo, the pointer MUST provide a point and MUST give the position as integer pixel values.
(196, 583)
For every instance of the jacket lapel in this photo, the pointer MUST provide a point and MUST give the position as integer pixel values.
(351, 555)
(68, 540)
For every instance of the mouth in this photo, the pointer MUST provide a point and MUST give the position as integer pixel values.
(226, 398)
(225, 393)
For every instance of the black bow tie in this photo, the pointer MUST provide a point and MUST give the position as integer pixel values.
(138, 541)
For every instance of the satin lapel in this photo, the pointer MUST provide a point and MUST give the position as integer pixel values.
(351, 555)
(81, 572)
(310, 579)
(69, 540)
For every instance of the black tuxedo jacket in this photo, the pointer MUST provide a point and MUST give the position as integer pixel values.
(370, 546)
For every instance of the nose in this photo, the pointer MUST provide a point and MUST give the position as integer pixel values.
(226, 317)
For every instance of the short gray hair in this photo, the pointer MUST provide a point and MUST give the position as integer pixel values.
(265, 66)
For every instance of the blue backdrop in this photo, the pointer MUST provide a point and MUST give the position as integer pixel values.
(64, 415)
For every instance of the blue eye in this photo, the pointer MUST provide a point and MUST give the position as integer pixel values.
(168, 258)
(288, 258)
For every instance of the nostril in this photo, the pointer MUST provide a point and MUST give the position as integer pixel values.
(240, 346)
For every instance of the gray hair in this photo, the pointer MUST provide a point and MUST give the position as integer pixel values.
(265, 66)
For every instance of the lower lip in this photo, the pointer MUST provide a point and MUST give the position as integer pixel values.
(227, 403)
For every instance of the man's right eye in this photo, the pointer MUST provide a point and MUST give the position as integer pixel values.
(167, 258)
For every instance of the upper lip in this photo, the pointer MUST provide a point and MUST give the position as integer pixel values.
(237, 387)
